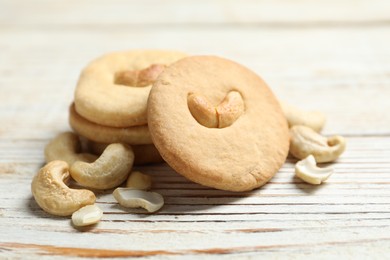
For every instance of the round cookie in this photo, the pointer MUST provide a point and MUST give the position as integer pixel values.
(113, 89)
(217, 123)
(134, 135)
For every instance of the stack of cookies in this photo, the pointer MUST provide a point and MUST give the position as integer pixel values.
(110, 102)
(212, 120)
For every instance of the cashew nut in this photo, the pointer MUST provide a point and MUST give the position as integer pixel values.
(139, 181)
(225, 114)
(139, 78)
(66, 147)
(108, 171)
(143, 154)
(308, 171)
(305, 141)
(51, 193)
(202, 110)
(230, 109)
(127, 197)
(295, 116)
(87, 215)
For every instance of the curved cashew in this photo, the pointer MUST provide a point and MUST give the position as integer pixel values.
(202, 110)
(53, 196)
(139, 181)
(127, 197)
(230, 109)
(108, 171)
(308, 171)
(305, 141)
(143, 154)
(66, 147)
(295, 116)
(225, 114)
(87, 215)
(139, 78)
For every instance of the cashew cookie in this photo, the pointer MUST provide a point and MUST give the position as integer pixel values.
(217, 123)
(113, 89)
(106, 134)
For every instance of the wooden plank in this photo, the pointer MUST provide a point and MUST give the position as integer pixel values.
(254, 241)
(352, 188)
(284, 215)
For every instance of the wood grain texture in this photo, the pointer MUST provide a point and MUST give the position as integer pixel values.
(331, 56)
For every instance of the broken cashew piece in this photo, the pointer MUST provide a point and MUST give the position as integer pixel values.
(139, 181)
(130, 198)
(224, 115)
(108, 171)
(53, 196)
(304, 141)
(308, 171)
(295, 116)
(66, 147)
(87, 215)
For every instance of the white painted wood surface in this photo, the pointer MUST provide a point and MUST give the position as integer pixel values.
(333, 56)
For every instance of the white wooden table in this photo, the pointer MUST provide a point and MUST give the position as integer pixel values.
(333, 56)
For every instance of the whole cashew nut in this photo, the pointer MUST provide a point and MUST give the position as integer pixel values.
(108, 171)
(66, 147)
(304, 141)
(143, 154)
(295, 116)
(139, 78)
(223, 115)
(53, 196)
(308, 171)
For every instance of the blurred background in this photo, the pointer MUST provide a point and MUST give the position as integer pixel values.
(315, 54)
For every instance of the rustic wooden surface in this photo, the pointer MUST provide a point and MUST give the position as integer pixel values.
(333, 56)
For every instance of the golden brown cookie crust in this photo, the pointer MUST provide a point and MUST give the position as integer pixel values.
(135, 135)
(98, 97)
(239, 157)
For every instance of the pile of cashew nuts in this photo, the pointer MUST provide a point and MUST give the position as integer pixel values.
(112, 168)
(308, 145)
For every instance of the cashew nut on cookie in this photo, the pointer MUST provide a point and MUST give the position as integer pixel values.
(223, 115)
(139, 78)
